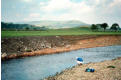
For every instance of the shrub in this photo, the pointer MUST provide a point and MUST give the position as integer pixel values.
(111, 66)
(28, 50)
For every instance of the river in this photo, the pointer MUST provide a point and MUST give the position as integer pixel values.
(39, 67)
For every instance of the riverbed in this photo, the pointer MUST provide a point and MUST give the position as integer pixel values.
(39, 67)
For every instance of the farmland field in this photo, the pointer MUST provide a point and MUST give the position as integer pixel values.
(51, 32)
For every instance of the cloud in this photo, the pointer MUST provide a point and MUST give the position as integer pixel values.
(74, 11)
(34, 15)
(43, 3)
(108, 11)
(27, 0)
(18, 15)
(89, 11)
(54, 5)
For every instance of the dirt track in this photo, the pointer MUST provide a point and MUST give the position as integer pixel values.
(16, 47)
(101, 72)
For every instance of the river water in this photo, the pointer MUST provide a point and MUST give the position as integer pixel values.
(39, 67)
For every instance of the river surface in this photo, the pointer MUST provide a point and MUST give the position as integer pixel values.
(39, 67)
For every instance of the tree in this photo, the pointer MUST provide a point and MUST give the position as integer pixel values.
(13, 26)
(115, 26)
(35, 29)
(94, 27)
(27, 28)
(104, 26)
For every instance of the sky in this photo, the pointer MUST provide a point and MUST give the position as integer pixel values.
(88, 11)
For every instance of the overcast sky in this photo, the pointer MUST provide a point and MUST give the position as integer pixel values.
(88, 11)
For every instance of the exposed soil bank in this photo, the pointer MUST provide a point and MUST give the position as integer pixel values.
(101, 72)
(18, 46)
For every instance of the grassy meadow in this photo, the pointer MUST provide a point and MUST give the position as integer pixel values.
(53, 32)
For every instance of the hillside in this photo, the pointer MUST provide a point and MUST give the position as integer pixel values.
(17, 26)
(56, 24)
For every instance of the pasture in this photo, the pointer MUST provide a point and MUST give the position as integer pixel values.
(55, 32)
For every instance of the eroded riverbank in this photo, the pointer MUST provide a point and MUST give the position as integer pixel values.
(102, 72)
(17, 47)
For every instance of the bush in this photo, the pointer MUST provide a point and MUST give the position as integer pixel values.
(28, 50)
(111, 66)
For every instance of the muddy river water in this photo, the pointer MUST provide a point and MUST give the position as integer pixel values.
(39, 67)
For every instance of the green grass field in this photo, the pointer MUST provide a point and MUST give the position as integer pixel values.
(73, 31)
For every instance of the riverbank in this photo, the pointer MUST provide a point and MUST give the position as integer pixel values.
(32, 46)
(102, 71)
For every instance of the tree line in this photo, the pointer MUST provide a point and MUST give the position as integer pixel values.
(12, 26)
(104, 26)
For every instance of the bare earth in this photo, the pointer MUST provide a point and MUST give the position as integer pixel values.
(101, 73)
(15, 47)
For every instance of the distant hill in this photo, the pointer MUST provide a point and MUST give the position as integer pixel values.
(13, 26)
(56, 24)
